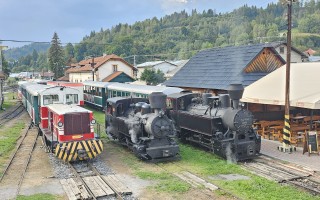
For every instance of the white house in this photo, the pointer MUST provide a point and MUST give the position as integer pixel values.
(179, 64)
(105, 68)
(163, 66)
(296, 55)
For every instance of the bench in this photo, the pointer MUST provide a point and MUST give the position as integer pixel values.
(270, 128)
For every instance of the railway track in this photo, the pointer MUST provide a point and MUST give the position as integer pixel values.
(275, 170)
(15, 112)
(89, 183)
(14, 172)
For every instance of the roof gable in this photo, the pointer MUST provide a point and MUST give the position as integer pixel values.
(118, 75)
(85, 65)
(217, 68)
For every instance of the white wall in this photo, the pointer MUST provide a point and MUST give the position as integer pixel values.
(164, 67)
(295, 57)
(78, 77)
(107, 68)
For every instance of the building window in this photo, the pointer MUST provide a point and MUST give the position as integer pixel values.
(282, 50)
(115, 68)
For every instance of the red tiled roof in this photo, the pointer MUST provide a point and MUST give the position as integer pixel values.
(64, 78)
(85, 65)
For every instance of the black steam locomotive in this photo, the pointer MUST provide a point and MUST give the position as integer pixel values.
(213, 123)
(143, 127)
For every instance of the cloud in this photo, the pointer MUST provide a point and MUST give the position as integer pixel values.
(169, 6)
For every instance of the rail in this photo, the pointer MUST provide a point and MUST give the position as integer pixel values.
(19, 149)
(12, 114)
(284, 173)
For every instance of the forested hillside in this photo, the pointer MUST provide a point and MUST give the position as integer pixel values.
(16, 53)
(181, 35)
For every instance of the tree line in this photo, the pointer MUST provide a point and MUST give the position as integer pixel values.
(182, 34)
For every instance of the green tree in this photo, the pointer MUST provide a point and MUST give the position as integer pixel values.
(56, 58)
(151, 77)
(69, 54)
(5, 66)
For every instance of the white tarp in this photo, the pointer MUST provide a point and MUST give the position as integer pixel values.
(304, 87)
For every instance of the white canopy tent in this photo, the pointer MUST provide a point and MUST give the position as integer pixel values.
(304, 87)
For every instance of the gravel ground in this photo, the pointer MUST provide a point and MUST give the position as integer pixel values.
(101, 166)
(60, 168)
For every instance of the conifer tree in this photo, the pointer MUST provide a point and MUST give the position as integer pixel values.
(56, 57)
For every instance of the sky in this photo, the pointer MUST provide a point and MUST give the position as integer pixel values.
(37, 20)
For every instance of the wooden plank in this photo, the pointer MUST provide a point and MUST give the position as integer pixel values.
(79, 189)
(188, 180)
(68, 190)
(276, 174)
(104, 186)
(94, 187)
(201, 181)
(116, 184)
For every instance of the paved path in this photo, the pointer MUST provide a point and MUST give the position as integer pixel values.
(270, 148)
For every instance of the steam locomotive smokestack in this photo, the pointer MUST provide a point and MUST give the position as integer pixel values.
(157, 101)
(235, 92)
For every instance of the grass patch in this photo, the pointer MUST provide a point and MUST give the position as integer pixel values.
(8, 141)
(39, 197)
(8, 138)
(98, 115)
(172, 185)
(152, 175)
(100, 118)
(205, 163)
(166, 181)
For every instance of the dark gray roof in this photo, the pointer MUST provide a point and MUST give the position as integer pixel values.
(217, 68)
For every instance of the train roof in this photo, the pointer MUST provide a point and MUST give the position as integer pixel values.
(35, 88)
(97, 83)
(144, 89)
(62, 109)
(26, 84)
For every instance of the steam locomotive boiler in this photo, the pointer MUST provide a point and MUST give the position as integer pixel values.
(143, 127)
(216, 123)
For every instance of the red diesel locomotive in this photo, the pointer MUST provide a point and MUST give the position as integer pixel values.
(70, 133)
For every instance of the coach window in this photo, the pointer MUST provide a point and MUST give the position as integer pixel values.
(71, 98)
(49, 99)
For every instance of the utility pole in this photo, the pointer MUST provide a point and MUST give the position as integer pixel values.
(2, 77)
(92, 67)
(286, 145)
(134, 60)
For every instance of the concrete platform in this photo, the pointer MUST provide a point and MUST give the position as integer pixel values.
(270, 148)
